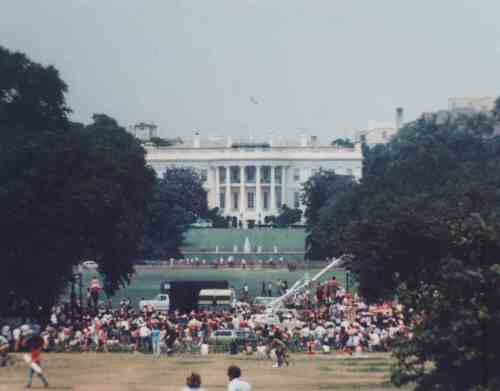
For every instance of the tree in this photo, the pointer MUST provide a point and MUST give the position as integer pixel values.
(161, 142)
(218, 221)
(322, 191)
(68, 192)
(179, 199)
(32, 96)
(287, 217)
(343, 143)
(425, 227)
(113, 187)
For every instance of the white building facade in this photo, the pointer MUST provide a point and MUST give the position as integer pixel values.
(249, 181)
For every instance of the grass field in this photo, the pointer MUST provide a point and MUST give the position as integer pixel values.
(121, 372)
(207, 239)
(146, 283)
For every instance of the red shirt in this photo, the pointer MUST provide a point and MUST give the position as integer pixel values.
(36, 355)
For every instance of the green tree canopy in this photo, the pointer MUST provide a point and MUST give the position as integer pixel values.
(343, 143)
(68, 192)
(32, 96)
(425, 226)
(178, 200)
(322, 191)
(286, 217)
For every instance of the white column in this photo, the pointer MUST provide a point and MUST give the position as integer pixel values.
(242, 189)
(217, 187)
(273, 191)
(283, 185)
(228, 189)
(258, 192)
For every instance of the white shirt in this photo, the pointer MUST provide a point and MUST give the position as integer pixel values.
(239, 385)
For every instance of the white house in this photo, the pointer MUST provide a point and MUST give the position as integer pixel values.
(249, 181)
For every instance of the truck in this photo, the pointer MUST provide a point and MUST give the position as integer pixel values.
(184, 295)
(160, 303)
(217, 299)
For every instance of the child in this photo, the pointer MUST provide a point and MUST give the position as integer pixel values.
(35, 344)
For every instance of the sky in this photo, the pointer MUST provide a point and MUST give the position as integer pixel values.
(250, 67)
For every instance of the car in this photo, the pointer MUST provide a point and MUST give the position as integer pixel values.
(287, 313)
(160, 303)
(266, 319)
(202, 224)
(90, 265)
(262, 301)
(240, 336)
(222, 336)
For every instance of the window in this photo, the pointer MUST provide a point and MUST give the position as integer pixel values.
(277, 174)
(235, 174)
(296, 174)
(296, 200)
(222, 174)
(251, 200)
(265, 174)
(265, 200)
(250, 172)
(236, 197)
(222, 200)
(278, 198)
(204, 174)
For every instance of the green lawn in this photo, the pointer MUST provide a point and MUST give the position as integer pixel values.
(206, 239)
(134, 372)
(146, 283)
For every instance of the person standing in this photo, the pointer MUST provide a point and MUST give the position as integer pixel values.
(35, 344)
(245, 292)
(95, 289)
(263, 292)
(270, 288)
(156, 339)
(235, 383)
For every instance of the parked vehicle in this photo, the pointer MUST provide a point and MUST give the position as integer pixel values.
(262, 301)
(160, 303)
(216, 299)
(202, 224)
(89, 265)
(266, 318)
(226, 336)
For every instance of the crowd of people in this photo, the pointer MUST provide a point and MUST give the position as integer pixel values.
(321, 319)
(225, 262)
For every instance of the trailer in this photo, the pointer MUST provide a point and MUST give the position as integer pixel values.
(184, 295)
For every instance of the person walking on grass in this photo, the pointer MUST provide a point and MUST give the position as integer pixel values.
(35, 344)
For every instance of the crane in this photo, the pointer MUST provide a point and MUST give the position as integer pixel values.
(303, 283)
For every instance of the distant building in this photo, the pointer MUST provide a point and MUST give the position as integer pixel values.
(381, 132)
(144, 131)
(471, 104)
(376, 136)
(463, 106)
(249, 181)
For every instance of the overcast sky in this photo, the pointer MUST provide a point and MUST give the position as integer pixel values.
(245, 67)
